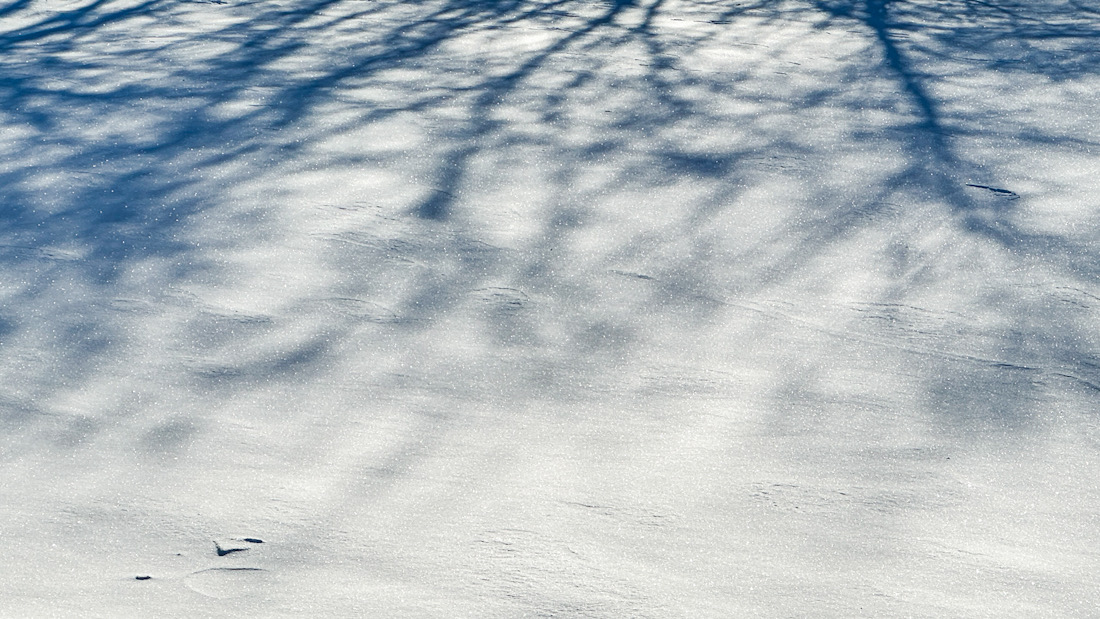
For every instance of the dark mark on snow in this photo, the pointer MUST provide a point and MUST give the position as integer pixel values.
(252, 540)
(213, 571)
(631, 274)
(1004, 193)
(225, 551)
(143, 577)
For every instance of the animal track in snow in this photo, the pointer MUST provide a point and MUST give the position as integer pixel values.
(1077, 297)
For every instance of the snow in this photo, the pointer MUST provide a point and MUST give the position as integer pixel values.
(646, 308)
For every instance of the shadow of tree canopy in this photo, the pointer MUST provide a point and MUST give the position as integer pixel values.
(546, 199)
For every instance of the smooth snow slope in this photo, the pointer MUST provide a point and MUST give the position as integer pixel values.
(558, 308)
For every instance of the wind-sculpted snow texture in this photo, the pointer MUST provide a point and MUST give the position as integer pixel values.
(378, 308)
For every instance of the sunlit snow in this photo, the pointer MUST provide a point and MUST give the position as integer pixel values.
(554, 308)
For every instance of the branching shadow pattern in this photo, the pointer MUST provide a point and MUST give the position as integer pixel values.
(542, 198)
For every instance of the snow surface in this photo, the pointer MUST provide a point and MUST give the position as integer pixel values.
(549, 308)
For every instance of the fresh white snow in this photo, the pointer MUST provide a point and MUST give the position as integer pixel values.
(549, 308)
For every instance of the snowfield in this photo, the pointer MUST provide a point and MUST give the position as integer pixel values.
(549, 308)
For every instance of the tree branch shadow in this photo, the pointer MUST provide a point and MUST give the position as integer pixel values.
(627, 137)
